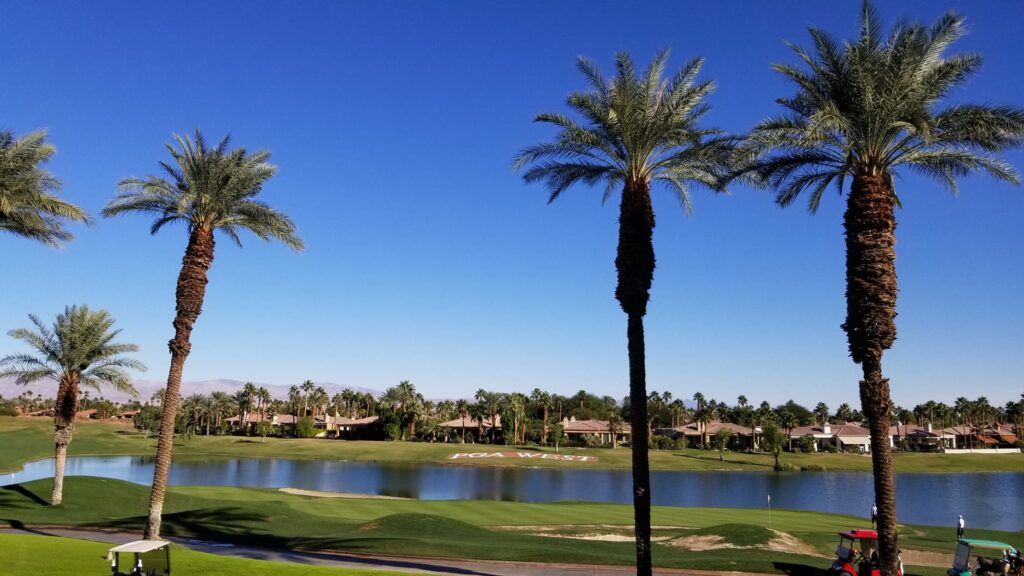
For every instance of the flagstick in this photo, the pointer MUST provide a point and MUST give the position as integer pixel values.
(769, 511)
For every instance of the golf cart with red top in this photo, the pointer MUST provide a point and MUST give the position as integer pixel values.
(857, 554)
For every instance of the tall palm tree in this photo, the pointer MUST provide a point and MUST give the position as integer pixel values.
(863, 110)
(78, 350)
(542, 399)
(28, 207)
(207, 189)
(462, 407)
(637, 129)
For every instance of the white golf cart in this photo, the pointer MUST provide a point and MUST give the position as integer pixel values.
(147, 558)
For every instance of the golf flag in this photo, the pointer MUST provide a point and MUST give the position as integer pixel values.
(769, 498)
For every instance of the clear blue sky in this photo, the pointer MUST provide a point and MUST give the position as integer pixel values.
(394, 125)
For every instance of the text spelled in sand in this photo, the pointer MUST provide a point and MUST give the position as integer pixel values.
(526, 455)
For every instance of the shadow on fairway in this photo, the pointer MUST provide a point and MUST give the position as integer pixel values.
(799, 569)
(716, 460)
(9, 500)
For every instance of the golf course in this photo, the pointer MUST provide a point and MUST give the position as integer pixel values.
(724, 539)
(27, 439)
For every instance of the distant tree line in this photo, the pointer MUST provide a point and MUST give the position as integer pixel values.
(404, 414)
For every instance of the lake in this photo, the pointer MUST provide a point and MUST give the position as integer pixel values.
(987, 500)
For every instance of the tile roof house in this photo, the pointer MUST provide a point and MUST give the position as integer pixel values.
(599, 430)
(843, 436)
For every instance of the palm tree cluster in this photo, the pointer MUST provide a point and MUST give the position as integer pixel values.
(863, 110)
(205, 188)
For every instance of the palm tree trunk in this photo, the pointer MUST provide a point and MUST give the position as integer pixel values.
(189, 298)
(870, 326)
(634, 262)
(639, 445)
(545, 425)
(64, 424)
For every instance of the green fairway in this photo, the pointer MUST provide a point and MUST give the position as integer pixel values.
(28, 554)
(483, 530)
(25, 439)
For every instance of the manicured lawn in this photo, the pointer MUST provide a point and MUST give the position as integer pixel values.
(24, 439)
(28, 554)
(461, 529)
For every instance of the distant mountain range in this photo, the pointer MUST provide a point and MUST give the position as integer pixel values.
(146, 388)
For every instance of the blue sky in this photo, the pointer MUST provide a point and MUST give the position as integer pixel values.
(394, 125)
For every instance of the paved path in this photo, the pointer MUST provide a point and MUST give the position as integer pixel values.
(344, 560)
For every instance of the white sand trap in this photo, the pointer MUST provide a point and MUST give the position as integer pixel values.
(319, 494)
(625, 533)
(780, 542)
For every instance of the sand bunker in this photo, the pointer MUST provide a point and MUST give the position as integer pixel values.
(319, 494)
(780, 542)
(922, 558)
(601, 532)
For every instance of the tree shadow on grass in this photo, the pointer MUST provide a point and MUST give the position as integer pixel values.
(8, 499)
(791, 569)
(716, 460)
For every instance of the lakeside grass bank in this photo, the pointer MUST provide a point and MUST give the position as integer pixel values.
(25, 439)
(573, 532)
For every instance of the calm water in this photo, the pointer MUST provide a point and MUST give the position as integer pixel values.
(994, 500)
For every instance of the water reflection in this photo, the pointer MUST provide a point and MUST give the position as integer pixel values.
(992, 500)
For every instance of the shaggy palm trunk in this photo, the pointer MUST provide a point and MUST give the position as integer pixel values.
(635, 265)
(189, 298)
(64, 425)
(545, 425)
(871, 329)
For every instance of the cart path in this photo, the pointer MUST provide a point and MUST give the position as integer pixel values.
(411, 565)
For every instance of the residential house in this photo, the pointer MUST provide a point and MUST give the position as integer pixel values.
(595, 431)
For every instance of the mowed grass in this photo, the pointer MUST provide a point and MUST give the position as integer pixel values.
(454, 529)
(25, 439)
(30, 554)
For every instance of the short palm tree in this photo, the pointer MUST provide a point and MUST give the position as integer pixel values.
(77, 351)
(864, 110)
(636, 129)
(207, 189)
(27, 205)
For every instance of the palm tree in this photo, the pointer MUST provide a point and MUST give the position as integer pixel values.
(307, 387)
(821, 413)
(462, 407)
(863, 110)
(637, 130)
(27, 205)
(79, 350)
(407, 397)
(542, 399)
(207, 189)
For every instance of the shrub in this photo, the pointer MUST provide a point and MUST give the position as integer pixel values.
(813, 468)
(680, 443)
(264, 428)
(662, 443)
(786, 467)
(828, 448)
(147, 420)
(807, 443)
(305, 428)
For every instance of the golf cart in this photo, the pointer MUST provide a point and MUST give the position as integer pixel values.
(994, 558)
(857, 554)
(148, 558)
